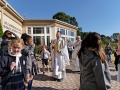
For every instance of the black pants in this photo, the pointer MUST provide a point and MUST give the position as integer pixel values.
(116, 67)
(45, 61)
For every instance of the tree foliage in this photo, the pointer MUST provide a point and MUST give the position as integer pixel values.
(114, 37)
(104, 39)
(72, 20)
(65, 18)
(1, 30)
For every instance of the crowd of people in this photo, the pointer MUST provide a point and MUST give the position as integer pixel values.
(18, 63)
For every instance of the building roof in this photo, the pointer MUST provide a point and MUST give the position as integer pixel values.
(50, 20)
(11, 10)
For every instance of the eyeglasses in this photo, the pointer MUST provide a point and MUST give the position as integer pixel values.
(9, 33)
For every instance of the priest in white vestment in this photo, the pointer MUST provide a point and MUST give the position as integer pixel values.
(60, 58)
(75, 60)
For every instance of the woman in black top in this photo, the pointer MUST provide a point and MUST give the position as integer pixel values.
(6, 38)
(116, 60)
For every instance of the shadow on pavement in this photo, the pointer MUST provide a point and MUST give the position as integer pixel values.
(114, 77)
(113, 70)
(43, 88)
(41, 77)
(73, 72)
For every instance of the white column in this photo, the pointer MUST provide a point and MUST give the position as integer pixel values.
(50, 33)
(26, 30)
(32, 32)
(45, 35)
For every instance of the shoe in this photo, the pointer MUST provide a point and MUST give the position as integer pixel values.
(55, 79)
(43, 73)
(60, 80)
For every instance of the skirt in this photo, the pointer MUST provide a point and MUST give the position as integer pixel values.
(15, 82)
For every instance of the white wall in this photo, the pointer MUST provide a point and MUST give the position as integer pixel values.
(9, 24)
(0, 15)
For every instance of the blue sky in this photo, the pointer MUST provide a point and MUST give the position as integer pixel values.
(102, 16)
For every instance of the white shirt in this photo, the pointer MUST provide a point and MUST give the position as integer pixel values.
(70, 47)
(17, 60)
(46, 54)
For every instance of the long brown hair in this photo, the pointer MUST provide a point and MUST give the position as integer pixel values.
(93, 40)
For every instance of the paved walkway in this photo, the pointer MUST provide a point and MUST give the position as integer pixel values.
(72, 82)
(46, 82)
(115, 84)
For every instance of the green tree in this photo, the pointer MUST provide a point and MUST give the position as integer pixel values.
(73, 21)
(108, 37)
(1, 30)
(62, 16)
(65, 18)
(79, 31)
(105, 39)
(114, 37)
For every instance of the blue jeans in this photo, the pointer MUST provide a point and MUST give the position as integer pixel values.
(109, 57)
(30, 84)
(70, 54)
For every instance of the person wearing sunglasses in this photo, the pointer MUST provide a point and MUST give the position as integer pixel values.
(6, 38)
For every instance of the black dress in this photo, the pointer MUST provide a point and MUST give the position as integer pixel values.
(116, 61)
(10, 80)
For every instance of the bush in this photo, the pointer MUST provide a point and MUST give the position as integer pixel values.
(1, 30)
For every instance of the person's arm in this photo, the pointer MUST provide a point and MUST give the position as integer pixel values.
(4, 68)
(49, 57)
(53, 44)
(4, 43)
(28, 50)
(70, 47)
(111, 50)
(98, 72)
(15, 36)
(42, 55)
(51, 47)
